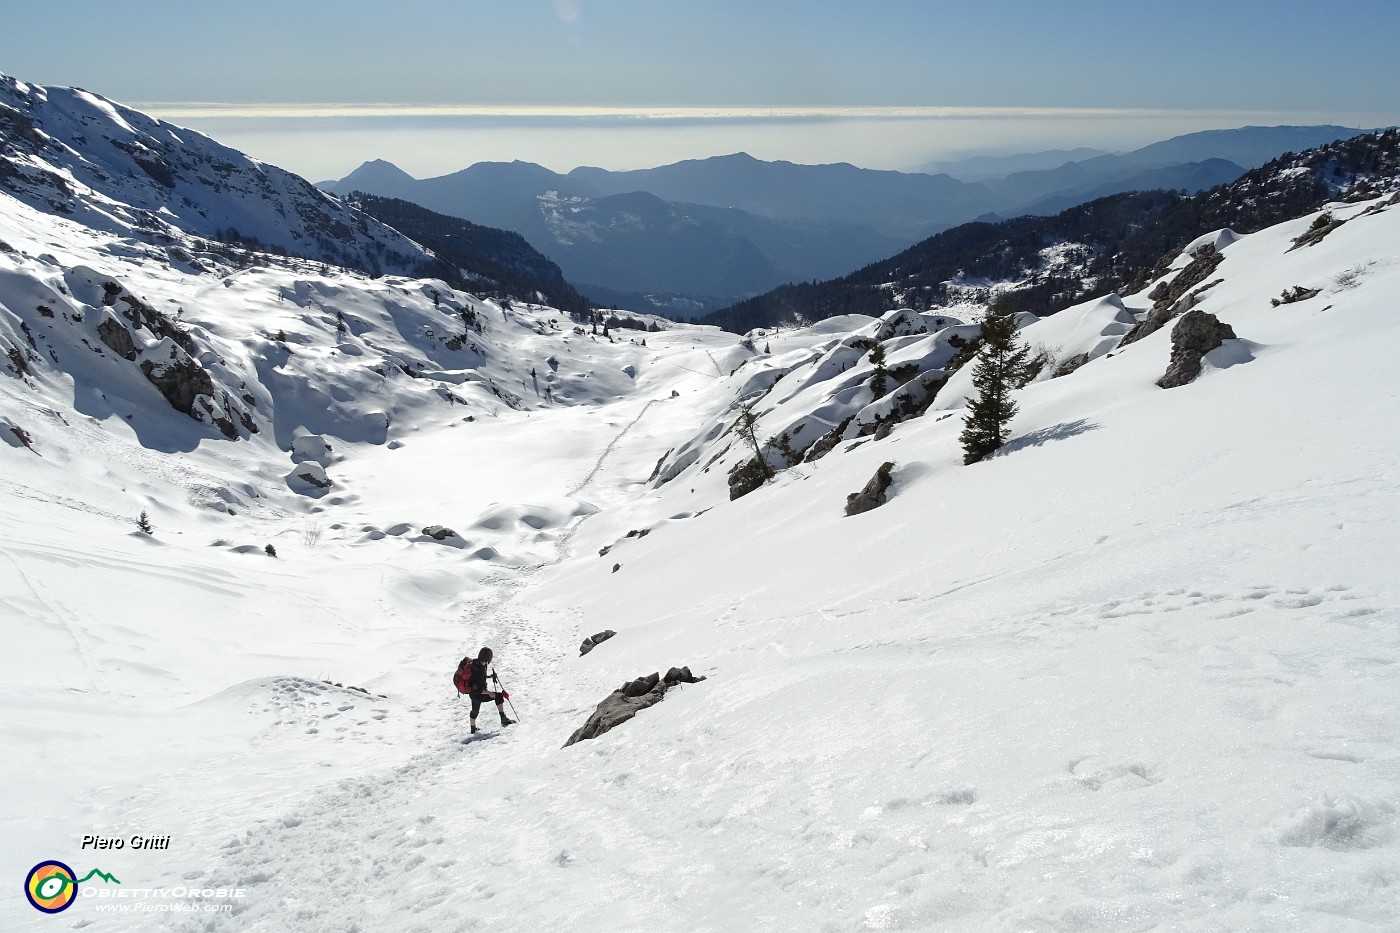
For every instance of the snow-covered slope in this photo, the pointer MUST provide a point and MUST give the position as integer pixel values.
(1138, 671)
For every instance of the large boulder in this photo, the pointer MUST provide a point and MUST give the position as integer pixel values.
(873, 495)
(629, 699)
(1195, 335)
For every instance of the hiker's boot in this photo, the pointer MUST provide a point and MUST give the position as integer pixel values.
(505, 721)
(475, 730)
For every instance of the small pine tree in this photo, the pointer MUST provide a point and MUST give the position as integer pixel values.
(747, 426)
(1001, 368)
(879, 382)
(270, 551)
(341, 328)
(144, 523)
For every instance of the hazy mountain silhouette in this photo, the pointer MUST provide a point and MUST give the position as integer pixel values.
(895, 203)
(980, 168)
(622, 245)
(703, 231)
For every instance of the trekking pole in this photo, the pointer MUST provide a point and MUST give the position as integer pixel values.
(504, 690)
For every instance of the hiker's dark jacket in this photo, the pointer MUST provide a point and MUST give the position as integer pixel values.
(476, 679)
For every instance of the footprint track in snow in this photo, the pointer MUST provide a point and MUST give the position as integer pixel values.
(1231, 605)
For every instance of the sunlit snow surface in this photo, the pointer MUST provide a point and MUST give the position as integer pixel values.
(1140, 671)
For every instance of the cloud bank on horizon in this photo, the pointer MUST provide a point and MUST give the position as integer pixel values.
(319, 86)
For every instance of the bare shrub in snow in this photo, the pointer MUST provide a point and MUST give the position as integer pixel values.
(1350, 278)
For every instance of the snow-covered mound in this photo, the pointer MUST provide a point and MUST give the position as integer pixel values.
(72, 152)
(1138, 670)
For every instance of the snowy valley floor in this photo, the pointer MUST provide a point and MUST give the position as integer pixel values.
(1140, 671)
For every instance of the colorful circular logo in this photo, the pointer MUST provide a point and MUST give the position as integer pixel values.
(51, 887)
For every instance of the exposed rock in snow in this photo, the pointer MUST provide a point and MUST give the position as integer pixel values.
(629, 699)
(1174, 296)
(873, 495)
(1195, 335)
(594, 641)
(117, 338)
(309, 479)
(14, 435)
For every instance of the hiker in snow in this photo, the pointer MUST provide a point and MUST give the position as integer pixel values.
(476, 688)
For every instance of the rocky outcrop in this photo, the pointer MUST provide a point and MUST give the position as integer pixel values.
(629, 699)
(1195, 335)
(117, 338)
(873, 495)
(1173, 297)
(180, 379)
(828, 441)
(594, 641)
(439, 532)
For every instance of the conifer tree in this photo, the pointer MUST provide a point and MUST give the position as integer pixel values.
(1000, 369)
(879, 382)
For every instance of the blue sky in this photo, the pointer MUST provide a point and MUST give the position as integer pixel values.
(1244, 60)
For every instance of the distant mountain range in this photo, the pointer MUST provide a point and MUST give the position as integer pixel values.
(1043, 264)
(619, 247)
(979, 168)
(700, 234)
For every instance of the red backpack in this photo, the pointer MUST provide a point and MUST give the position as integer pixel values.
(463, 675)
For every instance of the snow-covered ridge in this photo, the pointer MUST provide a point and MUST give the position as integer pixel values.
(114, 169)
